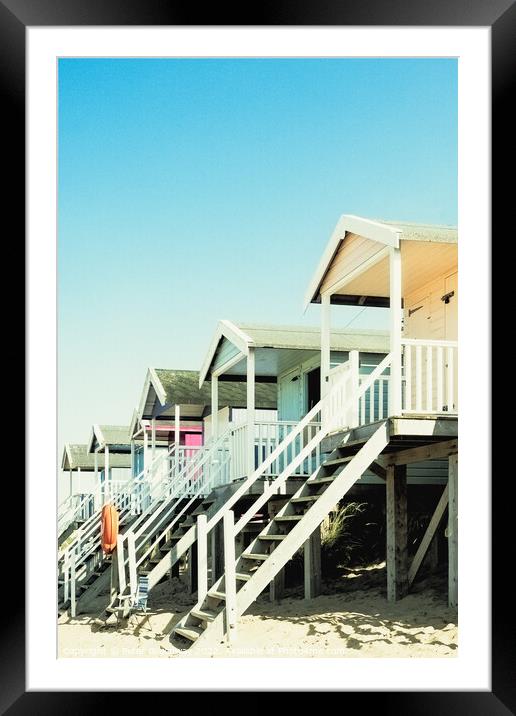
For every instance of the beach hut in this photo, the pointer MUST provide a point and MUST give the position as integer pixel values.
(404, 411)
(110, 448)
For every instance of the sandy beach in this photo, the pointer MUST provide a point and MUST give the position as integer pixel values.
(351, 618)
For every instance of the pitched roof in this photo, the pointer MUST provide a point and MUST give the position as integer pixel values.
(77, 455)
(309, 338)
(109, 435)
(253, 335)
(181, 387)
(386, 232)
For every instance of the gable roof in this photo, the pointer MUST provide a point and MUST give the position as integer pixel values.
(77, 456)
(385, 232)
(285, 337)
(181, 387)
(110, 435)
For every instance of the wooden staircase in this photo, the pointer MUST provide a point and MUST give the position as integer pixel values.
(279, 541)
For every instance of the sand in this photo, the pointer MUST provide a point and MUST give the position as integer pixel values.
(351, 618)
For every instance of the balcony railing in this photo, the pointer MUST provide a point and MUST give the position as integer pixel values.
(430, 376)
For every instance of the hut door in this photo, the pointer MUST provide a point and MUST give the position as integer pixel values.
(291, 396)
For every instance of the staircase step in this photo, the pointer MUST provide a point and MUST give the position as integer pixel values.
(192, 633)
(288, 518)
(243, 577)
(305, 498)
(273, 538)
(337, 461)
(321, 480)
(216, 595)
(166, 547)
(204, 615)
(258, 557)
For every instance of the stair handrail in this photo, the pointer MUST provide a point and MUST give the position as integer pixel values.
(275, 454)
(132, 486)
(324, 430)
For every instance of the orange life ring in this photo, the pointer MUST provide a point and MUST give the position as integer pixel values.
(109, 528)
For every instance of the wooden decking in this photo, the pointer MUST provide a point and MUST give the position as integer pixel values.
(406, 432)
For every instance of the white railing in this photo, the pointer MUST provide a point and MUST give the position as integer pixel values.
(76, 508)
(374, 403)
(202, 469)
(355, 399)
(81, 554)
(267, 436)
(430, 376)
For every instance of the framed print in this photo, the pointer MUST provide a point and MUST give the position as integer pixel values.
(245, 299)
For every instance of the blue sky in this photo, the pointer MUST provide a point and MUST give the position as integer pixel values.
(193, 190)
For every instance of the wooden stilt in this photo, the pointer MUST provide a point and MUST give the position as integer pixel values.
(396, 509)
(277, 587)
(192, 569)
(312, 565)
(452, 531)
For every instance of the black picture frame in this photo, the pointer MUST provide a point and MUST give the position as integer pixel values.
(500, 16)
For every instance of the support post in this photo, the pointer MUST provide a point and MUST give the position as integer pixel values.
(396, 509)
(145, 450)
(325, 342)
(177, 426)
(229, 576)
(153, 438)
(133, 459)
(131, 554)
(214, 406)
(202, 557)
(453, 590)
(71, 480)
(98, 487)
(395, 322)
(217, 551)
(192, 569)
(106, 472)
(354, 366)
(312, 564)
(78, 487)
(250, 410)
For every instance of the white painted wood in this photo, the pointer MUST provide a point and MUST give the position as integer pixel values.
(229, 575)
(153, 438)
(386, 235)
(250, 410)
(202, 556)
(428, 536)
(231, 363)
(214, 406)
(325, 342)
(145, 449)
(354, 369)
(177, 425)
(106, 473)
(453, 526)
(407, 356)
(395, 325)
(131, 556)
(336, 281)
(449, 379)
(440, 375)
(429, 385)
(73, 601)
(419, 379)
(120, 563)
